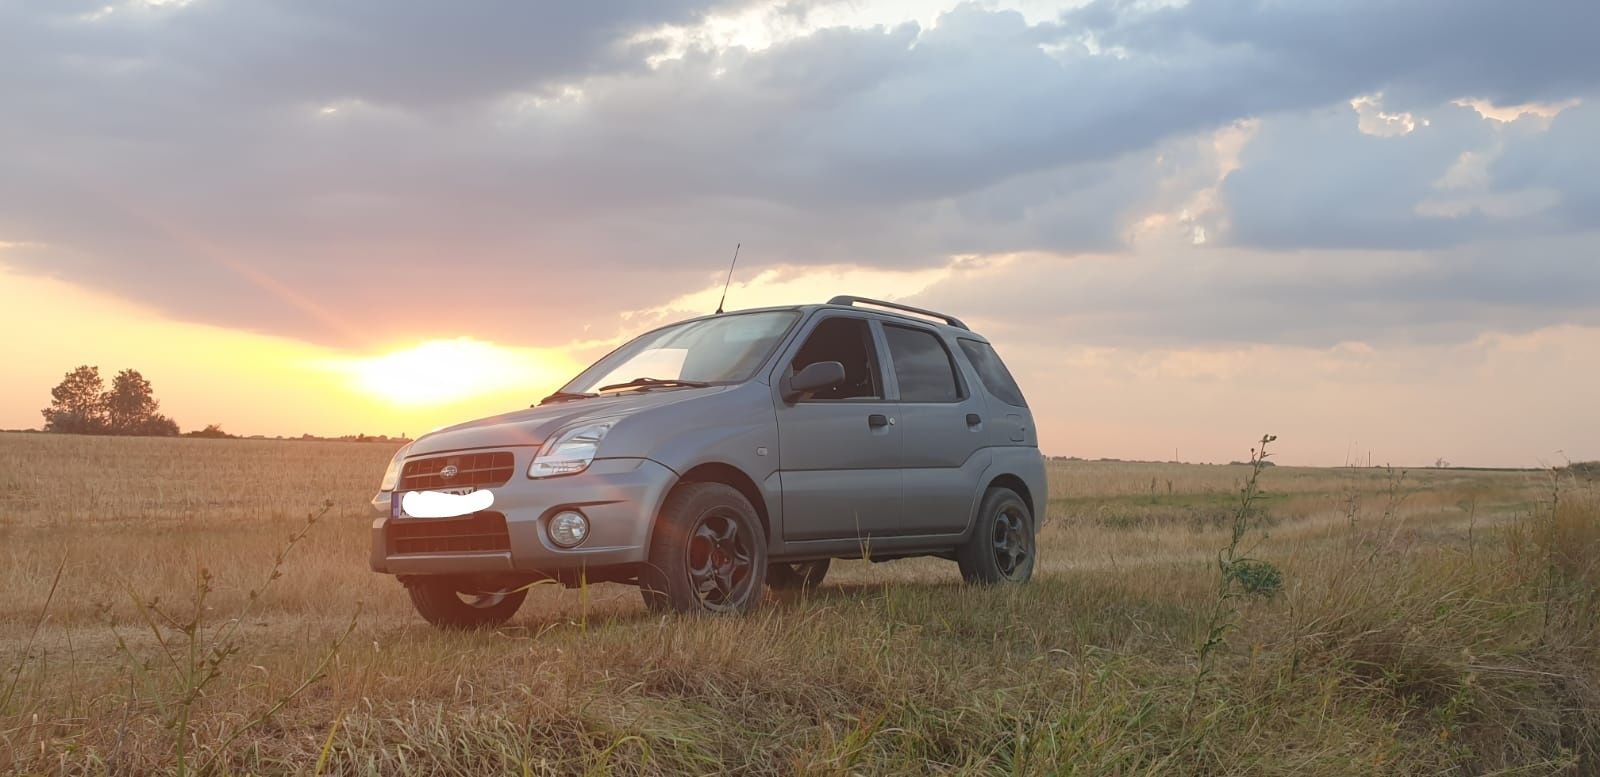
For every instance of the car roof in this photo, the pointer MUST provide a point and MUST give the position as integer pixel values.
(929, 319)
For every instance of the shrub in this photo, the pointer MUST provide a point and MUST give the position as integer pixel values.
(1256, 577)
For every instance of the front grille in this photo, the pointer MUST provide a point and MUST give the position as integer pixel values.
(485, 470)
(479, 531)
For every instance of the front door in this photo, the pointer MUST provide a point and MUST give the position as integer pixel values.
(839, 449)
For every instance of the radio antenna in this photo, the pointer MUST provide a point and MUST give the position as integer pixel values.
(729, 281)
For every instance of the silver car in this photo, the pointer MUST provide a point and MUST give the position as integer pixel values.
(706, 459)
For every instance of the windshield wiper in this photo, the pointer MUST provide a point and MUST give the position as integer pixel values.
(654, 383)
(565, 396)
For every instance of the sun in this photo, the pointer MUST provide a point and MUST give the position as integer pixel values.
(437, 372)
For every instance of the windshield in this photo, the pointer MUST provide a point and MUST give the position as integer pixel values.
(725, 349)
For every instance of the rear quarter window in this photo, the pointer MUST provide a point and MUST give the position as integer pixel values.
(996, 378)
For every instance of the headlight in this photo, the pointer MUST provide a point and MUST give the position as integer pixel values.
(391, 476)
(569, 451)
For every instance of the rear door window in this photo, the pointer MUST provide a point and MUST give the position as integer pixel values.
(996, 378)
(921, 365)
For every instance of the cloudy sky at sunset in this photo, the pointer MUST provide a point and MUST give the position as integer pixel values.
(1363, 225)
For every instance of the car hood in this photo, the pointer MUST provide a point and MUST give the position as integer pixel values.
(533, 425)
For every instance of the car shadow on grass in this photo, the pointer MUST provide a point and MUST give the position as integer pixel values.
(866, 591)
(619, 606)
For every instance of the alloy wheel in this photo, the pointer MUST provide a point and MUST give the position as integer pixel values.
(1010, 541)
(720, 561)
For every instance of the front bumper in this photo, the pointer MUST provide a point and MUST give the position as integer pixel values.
(619, 496)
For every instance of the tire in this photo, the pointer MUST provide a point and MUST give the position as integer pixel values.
(1002, 546)
(788, 576)
(708, 553)
(450, 603)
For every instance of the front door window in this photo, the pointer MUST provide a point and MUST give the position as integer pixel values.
(847, 341)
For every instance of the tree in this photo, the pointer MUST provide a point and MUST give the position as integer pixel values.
(77, 404)
(81, 405)
(129, 403)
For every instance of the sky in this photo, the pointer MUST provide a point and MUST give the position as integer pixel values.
(1371, 228)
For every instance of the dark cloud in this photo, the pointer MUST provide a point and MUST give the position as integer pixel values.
(1315, 180)
(401, 52)
(1310, 53)
(1185, 296)
(309, 168)
(1565, 159)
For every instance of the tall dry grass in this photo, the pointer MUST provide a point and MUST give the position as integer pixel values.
(1443, 622)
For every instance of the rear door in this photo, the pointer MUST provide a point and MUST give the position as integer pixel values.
(1008, 410)
(941, 420)
(838, 450)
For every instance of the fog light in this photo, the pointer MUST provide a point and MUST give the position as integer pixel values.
(568, 528)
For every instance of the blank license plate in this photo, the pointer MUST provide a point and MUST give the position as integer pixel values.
(396, 511)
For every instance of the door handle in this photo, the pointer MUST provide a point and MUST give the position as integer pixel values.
(973, 419)
(878, 420)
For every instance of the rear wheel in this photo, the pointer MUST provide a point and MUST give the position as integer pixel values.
(783, 575)
(1001, 548)
(456, 603)
(708, 552)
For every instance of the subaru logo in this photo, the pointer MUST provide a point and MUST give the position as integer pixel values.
(448, 472)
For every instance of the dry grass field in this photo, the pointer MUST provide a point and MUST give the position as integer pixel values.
(1430, 622)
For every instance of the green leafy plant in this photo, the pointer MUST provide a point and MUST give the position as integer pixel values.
(1256, 577)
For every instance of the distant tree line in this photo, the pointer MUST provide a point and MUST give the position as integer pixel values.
(1588, 470)
(81, 404)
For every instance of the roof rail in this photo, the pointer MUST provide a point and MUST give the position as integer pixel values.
(846, 299)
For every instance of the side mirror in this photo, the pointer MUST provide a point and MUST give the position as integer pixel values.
(815, 377)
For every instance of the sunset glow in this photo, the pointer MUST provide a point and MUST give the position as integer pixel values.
(440, 371)
(256, 384)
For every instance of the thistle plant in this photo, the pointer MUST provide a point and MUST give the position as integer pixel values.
(192, 654)
(1238, 576)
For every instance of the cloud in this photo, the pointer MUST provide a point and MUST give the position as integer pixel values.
(1174, 295)
(1277, 56)
(305, 168)
(393, 52)
(1563, 158)
(1319, 180)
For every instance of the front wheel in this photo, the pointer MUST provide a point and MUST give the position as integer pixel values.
(708, 552)
(455, 603)
(1001, 548)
